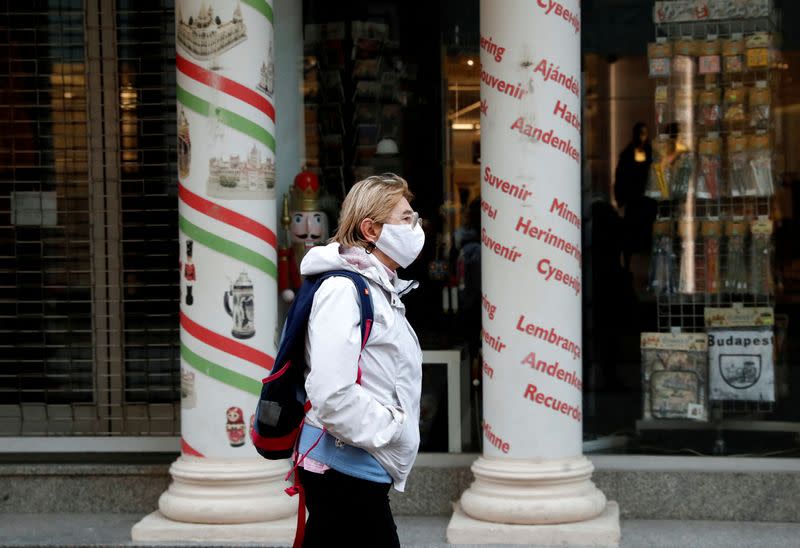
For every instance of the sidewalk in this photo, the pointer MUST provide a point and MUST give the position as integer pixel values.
(113, 530)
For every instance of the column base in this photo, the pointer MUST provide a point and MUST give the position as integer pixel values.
(603, 530)
(157, 528)
(226, 491)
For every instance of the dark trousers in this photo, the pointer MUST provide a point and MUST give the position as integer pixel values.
(347, 511)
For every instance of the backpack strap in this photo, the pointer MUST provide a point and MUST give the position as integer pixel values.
(367, 315)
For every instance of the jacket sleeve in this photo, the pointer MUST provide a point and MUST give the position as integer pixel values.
(333, 346)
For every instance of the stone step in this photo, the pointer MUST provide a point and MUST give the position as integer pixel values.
(113, 530)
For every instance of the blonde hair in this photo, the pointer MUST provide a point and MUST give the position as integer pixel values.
(375, 197)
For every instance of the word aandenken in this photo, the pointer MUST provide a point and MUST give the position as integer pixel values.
(557, 8)
(537, 134)
(520, 192)
(549, 272)
(494, 439)
(488, 306)
(504, 251)
(492, 48)
(553, 370)
(565, 213)
(495, 343)
(550, 336)
(503, 86)
(536, 396)
(552, 73)
(526, 226)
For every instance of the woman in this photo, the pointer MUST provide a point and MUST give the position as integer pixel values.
(370, 431)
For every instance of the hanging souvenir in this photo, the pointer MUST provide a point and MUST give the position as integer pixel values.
(741, 353)
(682, 170)
(760, 100)
(663, 279)
(687, 276)
(733, 55)
(735, 277)
(761, 165)
(710, 109)
(739, 172)
(711, 244)
(658, 177)
(758, 50)
(674, 376)
(709, 60)
(659, 54)
(662, 105)
(734, 104)
(761, 282)
(710, 167)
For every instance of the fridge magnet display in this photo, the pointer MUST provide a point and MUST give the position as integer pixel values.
(239, 304)
(740, 351)
(674, 376)
(188, 392)
(205, 36)
(235, 178)
(235, 427)
(184, 146)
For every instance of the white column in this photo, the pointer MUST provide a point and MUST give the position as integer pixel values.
(226, 78)
(532, 484)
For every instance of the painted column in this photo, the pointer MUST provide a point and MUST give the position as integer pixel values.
(227, 187)
(532, 471)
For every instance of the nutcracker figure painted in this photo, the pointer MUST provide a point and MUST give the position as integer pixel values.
(305, 224)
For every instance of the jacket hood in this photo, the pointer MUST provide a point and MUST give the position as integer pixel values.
(332, 256)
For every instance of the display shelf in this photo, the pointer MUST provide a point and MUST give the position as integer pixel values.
(715, 86)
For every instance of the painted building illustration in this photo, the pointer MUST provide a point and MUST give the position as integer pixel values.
(236, 177)
(206, 35)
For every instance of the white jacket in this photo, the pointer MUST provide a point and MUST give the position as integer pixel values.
(381, 415)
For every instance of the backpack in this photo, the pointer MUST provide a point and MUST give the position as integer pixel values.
(282, 407)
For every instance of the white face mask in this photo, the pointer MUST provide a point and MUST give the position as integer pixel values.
(401, 243)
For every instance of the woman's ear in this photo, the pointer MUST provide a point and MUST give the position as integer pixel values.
(370, 230)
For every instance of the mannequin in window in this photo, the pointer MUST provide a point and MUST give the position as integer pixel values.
(639, 211)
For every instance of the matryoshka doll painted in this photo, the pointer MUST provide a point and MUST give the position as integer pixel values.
(235, 426)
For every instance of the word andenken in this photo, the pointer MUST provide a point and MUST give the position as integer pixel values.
(537, 135)
(536, 396)
(549, 336)
(553, 370)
